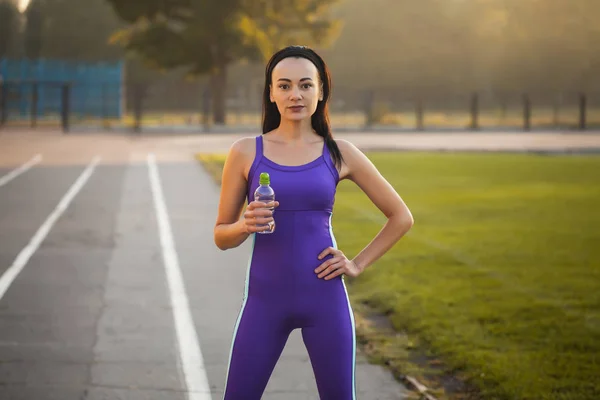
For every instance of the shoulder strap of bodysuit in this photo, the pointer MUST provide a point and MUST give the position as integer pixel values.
(257, 157)
(329, 161)
(259, 147)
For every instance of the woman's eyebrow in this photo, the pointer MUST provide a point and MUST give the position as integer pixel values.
(289, 80)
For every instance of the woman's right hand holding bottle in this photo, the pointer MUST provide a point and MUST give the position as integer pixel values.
(258, 216)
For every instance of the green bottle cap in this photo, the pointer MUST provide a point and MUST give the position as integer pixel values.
(264, 178)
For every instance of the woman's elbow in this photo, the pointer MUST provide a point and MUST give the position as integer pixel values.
(220, 245)
(409, 221)
(404, 221)
(219, 240)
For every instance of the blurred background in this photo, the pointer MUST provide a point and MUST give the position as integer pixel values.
(493, 294)
(396, 64)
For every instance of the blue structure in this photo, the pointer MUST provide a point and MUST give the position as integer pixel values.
(96, 89)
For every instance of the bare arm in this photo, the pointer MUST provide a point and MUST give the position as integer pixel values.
(230, 231)
(359, 169)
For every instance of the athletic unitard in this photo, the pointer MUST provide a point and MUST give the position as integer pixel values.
(283, 292)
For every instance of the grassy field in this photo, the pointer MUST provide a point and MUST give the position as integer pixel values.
(497, 283)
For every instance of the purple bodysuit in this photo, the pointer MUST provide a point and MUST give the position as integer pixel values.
(283, 292)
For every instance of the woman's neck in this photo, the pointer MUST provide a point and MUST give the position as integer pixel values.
(295, 131)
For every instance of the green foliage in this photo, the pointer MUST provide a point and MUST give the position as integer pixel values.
(131, 11)
(72, 30)
(440, 46)
(33, 30)
(8, 27)
(205, 37)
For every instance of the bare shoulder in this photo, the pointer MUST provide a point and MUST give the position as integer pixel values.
(243, 149)
(354, 158)
(244, 146)
(241, 154)
(347, 148)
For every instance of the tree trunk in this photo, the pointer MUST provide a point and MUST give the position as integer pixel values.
(218, 81)
(8, 15)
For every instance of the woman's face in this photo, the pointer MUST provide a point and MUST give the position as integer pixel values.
(295, 88)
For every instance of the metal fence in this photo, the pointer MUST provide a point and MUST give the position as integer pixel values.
(187, 106)
(46, 91)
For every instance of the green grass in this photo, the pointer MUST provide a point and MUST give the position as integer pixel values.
(500, 275)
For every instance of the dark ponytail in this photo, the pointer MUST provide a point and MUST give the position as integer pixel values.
(320, 119)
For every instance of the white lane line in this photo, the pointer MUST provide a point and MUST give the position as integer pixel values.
(18, 171)
(189, 347)
(13, 271)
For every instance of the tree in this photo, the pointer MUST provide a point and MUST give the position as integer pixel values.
(9, 15)
(71, 30)
(541, 46)
(207, 36)
(443, 46)
(33, 31)
(403, 48)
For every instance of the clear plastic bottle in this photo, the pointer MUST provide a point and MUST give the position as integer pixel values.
(265, 193)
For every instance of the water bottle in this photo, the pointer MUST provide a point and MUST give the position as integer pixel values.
(265, 193)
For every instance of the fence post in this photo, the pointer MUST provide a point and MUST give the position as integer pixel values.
(369, 105)
(474, 111)
(555, 113)
(66, 94)
(105, 112)
(582, 111)
(34, 104)
(3, 102)
(419, 112)
(526, 112)
(138, 97)
(206, 107)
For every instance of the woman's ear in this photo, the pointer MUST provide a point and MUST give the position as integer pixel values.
(271, 94)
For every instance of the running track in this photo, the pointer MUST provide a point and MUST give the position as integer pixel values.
(110, 284)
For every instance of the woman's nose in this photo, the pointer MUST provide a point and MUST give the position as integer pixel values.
(295, 93)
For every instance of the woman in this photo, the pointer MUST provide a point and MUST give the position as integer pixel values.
(295, 274)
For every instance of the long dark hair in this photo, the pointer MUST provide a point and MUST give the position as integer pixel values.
(320, 119)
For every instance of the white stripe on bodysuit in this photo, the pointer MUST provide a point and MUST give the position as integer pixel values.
(237, 324)
(351, 316)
